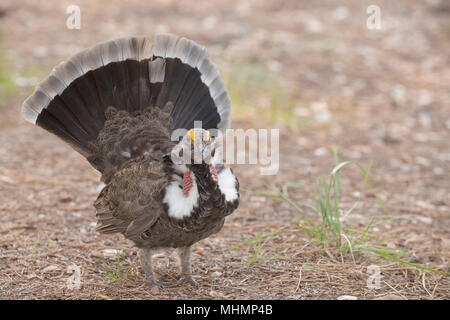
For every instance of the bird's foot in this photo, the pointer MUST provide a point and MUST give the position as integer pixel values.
(187, 279)
(154, 283)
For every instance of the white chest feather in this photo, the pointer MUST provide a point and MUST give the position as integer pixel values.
(180, 205)
(227, 184)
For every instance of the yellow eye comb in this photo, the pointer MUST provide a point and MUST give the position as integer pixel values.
(191, 134)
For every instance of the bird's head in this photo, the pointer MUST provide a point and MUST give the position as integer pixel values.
(198, 149)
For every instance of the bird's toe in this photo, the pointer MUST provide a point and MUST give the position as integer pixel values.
(188, 280)
(154, 283)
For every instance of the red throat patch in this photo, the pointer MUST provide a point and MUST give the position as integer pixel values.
(213, 172)
(187, 183)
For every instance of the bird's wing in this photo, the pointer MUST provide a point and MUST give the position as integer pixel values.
(131, 203)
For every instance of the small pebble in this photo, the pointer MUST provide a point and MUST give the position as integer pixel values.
(216, 274)
(110, 253)
(346, 297)
(51, 268)
(389, 297)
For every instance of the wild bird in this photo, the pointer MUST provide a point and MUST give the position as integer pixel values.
(118, 104)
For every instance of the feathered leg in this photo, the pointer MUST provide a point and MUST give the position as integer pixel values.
(185, 265)
(146, 262)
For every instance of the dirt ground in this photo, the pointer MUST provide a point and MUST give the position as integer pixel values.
(379, 96)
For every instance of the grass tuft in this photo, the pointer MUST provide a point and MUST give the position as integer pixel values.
(255, 253)
(114, 275)
(328, 229)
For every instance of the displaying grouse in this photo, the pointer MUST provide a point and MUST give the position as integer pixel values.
(122, 104)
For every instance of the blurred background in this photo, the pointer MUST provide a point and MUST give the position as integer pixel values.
(313, 69)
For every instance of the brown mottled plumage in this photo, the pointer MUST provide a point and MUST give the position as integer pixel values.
(126, 136)
(118, 104)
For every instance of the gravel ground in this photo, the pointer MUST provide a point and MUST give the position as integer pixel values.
(313, 70)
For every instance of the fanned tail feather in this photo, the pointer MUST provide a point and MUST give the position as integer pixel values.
(130, 74)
